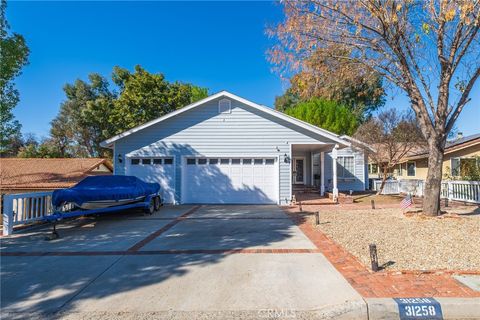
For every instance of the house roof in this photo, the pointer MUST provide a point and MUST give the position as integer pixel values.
(382, 152)
(451, 146)
(358, 142)
(459, 141)
(330, 135)
(39, 173)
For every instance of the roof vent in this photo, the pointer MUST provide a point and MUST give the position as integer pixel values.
(224, 106)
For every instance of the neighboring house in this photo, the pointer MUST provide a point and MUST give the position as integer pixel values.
(460, 153)
(18, 175)
(226, 149)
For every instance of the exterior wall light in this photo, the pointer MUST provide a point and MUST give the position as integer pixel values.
(286, 158)
(120, 158)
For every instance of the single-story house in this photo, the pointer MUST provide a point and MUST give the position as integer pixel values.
(18, 175)
(460, 155)
(226, 149)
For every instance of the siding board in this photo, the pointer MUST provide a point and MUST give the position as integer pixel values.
(202, 131)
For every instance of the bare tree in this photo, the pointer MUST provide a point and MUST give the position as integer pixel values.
(387, 139)
(429, 49)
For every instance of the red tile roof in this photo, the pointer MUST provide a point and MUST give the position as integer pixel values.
(39, 173)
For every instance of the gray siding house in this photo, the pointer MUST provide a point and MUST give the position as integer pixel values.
(226, 149)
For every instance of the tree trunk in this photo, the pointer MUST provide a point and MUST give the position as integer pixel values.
(384, 179)
(433, 183)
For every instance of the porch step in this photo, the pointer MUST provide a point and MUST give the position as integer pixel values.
(305, 189)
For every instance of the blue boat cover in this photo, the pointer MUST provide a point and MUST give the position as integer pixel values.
(95, 188)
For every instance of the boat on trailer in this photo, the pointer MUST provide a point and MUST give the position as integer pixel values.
(102, 194)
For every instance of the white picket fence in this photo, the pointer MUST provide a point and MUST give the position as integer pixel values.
(466, 191)
(24, 208)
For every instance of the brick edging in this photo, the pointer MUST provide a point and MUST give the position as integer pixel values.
(383, 284)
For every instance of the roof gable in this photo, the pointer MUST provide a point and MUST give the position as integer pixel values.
(264, 109)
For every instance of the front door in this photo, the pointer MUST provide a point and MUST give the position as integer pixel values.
(299, 170)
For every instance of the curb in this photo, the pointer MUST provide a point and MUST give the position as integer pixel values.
(349, 310)
(452, 308)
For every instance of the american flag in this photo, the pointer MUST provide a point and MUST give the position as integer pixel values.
(407, 202)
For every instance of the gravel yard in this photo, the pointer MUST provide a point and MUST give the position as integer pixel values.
(450, 242)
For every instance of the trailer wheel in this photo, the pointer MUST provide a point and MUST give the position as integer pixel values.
(158, 203)
(151, 207)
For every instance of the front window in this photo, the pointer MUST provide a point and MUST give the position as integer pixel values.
(373, 168)
(411, 169)
(345, 167)
(463, 166)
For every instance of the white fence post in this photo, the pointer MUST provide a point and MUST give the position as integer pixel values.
(7, 214)
(25, 208)
(478, 194)
(449, 190)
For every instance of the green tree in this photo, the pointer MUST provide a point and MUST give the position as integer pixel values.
(45, 149)
(31, 147)
(82, 122)
(145, 96)
(329, 115)
(324, 76)
(287, 100)
(13, 56)
(327, 77)
(93, 112)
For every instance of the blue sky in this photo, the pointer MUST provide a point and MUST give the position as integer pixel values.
(218, 45)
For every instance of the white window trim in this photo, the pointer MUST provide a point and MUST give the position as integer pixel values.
(460, 164)
(229, 110)
(415, 168)
(451, 166)
(343, 178)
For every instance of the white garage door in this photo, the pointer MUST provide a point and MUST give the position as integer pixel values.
(230, 180)
(161, 170)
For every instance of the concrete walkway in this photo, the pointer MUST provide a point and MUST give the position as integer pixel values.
(183, 262)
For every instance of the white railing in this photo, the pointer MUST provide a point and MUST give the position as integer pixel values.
(466, 191)
(391, 186)
(412, 186)
(24, 208)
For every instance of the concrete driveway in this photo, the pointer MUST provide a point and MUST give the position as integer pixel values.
(183, 262)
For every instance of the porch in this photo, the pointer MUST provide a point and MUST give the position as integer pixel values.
(310, 176)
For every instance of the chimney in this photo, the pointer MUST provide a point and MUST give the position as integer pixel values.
(459, 135)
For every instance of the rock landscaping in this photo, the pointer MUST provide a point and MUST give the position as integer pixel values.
(406, 241)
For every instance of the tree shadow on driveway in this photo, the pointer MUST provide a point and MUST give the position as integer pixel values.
(100, 276)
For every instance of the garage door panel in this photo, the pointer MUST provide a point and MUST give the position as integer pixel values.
(156, 170)
(230, 180)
